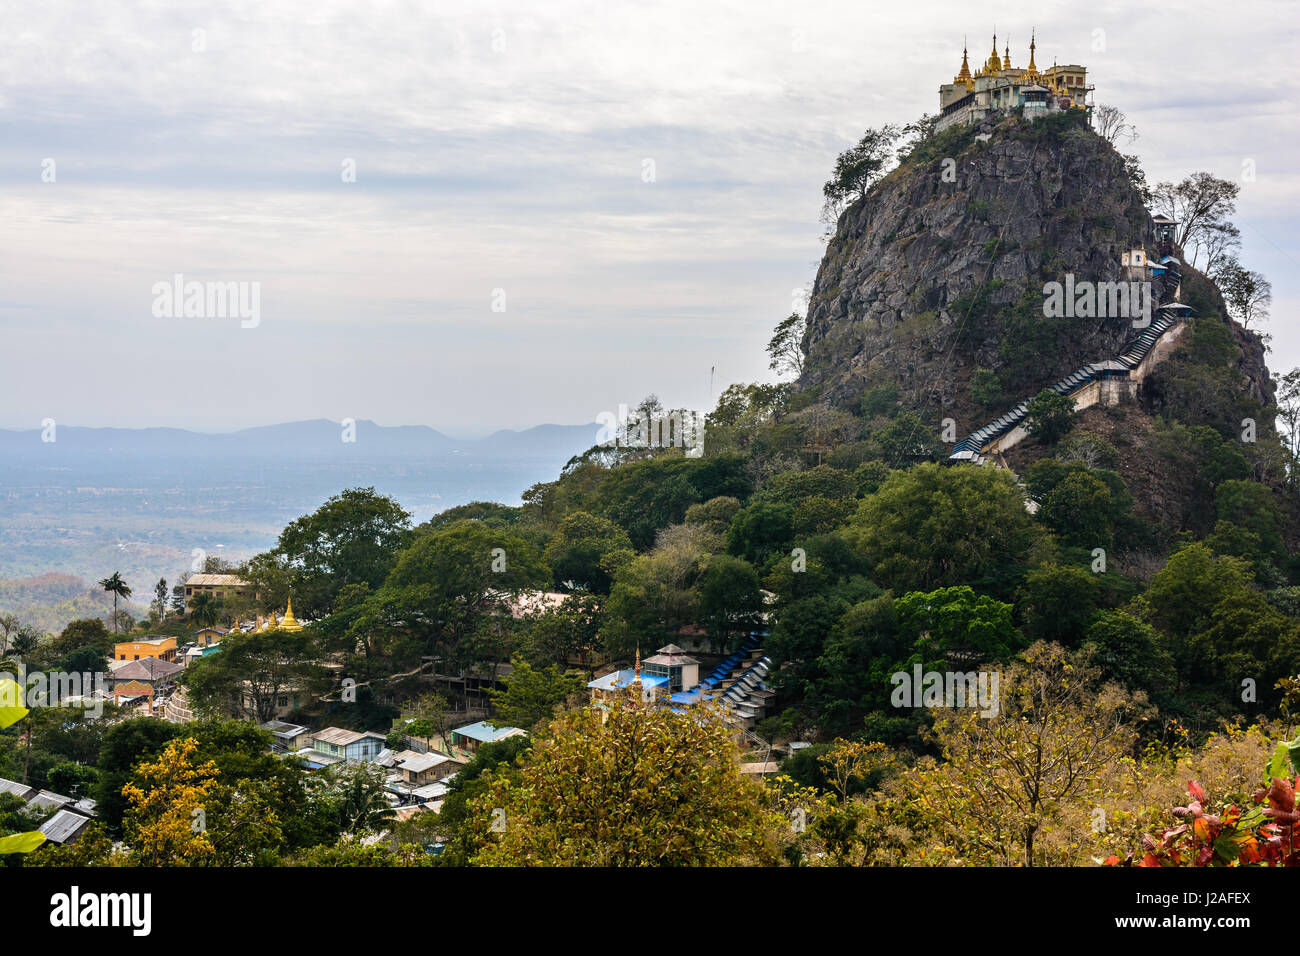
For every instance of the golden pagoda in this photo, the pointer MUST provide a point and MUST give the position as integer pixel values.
(1031, 74)
(997, 87)
(964, 77)
(290, 623)
(994, 64)
(1055, 82)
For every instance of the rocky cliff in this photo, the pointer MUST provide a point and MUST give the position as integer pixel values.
(939, 271)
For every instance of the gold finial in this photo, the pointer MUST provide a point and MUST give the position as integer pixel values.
(1033, 70)
(1006, 57)
(964, 75)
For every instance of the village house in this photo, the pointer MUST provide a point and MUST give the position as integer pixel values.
(65, 827)
(19, 790)
(158, 646)
(146, 678)
(336, 745)
(638, 683)
(287, 738)
(210, 636)
(69, 816)
(472, 736)
(418, 770)
(217, 585)
(287, 700)
(191, 654)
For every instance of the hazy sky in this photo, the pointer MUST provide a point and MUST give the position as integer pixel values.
(502, 155)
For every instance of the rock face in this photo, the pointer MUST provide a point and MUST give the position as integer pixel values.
(926, 280)
(1253, 366)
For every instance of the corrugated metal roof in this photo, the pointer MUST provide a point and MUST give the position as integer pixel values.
(48, 800)
(20, 790)
(418, 763)
(338, 735)
(284, 728)
(486, 733)
(431, 792)
(215, 580)
(64, 826)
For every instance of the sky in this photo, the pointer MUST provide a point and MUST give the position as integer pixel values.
(557, 207)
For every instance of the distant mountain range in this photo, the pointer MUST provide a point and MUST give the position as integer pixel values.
(143, 501)
(315, 439)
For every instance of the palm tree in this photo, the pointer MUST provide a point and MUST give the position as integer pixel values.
(119, 588)
(205, 609)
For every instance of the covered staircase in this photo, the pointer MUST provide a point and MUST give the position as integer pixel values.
(981, 446)
(738, 684)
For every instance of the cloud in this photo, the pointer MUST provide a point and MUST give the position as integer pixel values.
(507, 148)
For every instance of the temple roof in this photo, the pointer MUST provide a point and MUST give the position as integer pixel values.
(146, 669)
(671, 654)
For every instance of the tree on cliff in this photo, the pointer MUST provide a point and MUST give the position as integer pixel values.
(1112, 124)
(857, 169)
(1288, 405)
(1201, 205)
(785, 350)
(1247, 294)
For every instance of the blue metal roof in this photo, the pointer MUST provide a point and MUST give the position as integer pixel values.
(617, 680)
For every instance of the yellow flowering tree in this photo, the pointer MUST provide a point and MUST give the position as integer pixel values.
(636, 786)
(166, 817)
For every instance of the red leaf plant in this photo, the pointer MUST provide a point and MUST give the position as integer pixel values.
(1264, 835)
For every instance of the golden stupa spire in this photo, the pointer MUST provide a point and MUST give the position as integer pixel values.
(634, 686)
(1006, 57)
(995, 62)
(1031, 73)
(290, 623)
(964, 75)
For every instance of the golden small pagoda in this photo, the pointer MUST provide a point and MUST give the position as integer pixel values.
(290, 623)
(1031, 73)
(964, 77)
